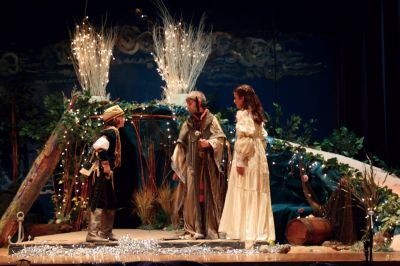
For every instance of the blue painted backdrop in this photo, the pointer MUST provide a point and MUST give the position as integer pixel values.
(292, 69)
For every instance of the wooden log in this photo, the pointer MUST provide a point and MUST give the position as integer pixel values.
(42, 168)
(308, 231)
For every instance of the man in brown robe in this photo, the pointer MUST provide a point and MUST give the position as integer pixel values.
(196, 162)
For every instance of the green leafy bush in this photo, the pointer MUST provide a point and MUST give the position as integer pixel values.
(342, 141)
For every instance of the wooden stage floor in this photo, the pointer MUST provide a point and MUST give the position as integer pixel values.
(298, 255)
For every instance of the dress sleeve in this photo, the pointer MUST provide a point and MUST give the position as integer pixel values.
(178, 162)
(217, 138)
(264, 136)
(178, 159)
(217, 141)
(245, 130)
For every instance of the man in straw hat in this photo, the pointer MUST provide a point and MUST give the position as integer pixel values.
(196, 162)
(102, 196)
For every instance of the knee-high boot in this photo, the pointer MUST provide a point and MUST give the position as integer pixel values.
(94, 227)
(107, 225)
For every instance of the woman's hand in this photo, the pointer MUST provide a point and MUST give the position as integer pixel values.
(240, 170)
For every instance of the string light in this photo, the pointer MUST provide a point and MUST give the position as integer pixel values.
(92, 53)
(180, 52)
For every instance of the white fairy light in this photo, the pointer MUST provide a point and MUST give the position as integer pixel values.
(92, 53)
(180, 52)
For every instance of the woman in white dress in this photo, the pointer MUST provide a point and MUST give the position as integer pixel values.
(247, 213)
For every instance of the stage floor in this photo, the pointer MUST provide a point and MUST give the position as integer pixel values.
(298, 255)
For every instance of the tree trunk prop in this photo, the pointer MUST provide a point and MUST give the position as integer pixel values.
(42, 168)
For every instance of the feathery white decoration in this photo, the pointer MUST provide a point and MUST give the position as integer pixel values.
(180, 52)
(92, 54)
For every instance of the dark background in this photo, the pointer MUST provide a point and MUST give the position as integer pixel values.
(358, 41)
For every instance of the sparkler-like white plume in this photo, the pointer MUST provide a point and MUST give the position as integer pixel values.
(92, 54)
(180, 51)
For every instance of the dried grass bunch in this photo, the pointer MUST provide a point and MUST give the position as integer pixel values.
(144, 201)
(180, 51)
(92, 54)
(165, 199)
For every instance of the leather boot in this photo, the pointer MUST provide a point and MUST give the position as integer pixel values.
(107, 225)
(94, 227)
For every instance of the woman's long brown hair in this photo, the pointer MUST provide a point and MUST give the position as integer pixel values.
(251, 102)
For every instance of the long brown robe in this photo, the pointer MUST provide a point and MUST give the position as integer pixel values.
(200, 175)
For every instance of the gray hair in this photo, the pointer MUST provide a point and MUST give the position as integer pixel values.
(197, 95)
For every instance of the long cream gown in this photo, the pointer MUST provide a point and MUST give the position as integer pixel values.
(247, 213)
